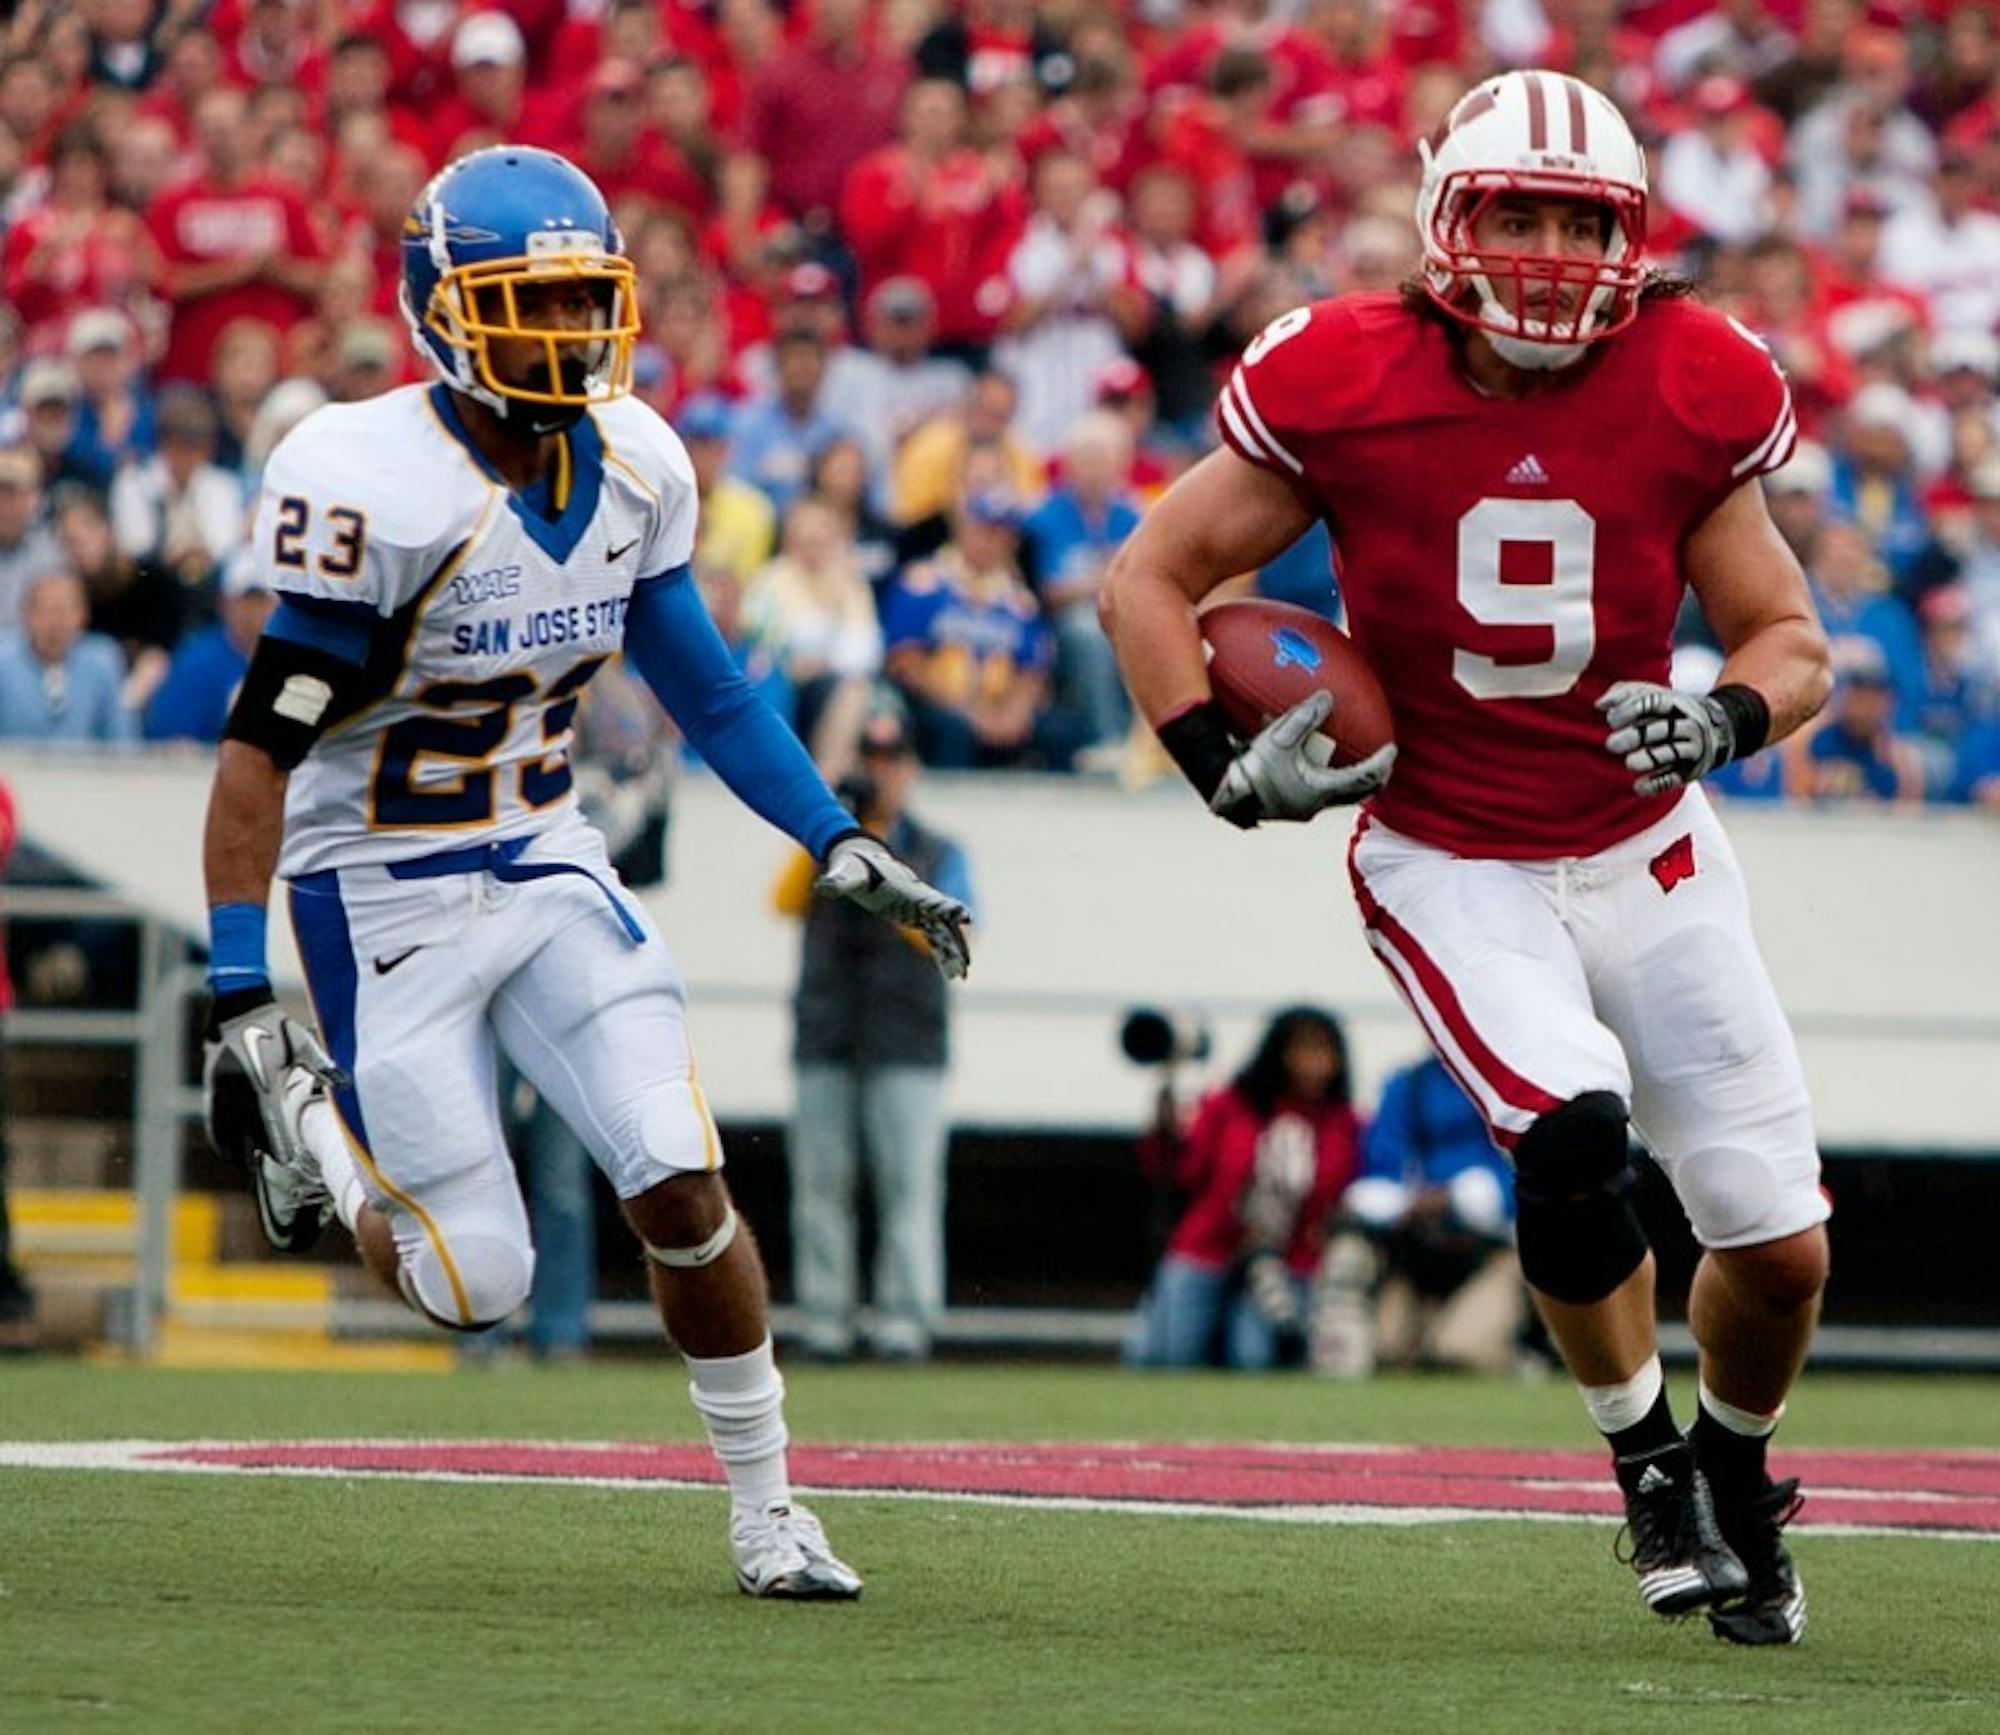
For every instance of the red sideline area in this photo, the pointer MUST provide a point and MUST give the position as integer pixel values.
(1907, 1490)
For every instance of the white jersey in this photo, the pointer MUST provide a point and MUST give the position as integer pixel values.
(492, 618)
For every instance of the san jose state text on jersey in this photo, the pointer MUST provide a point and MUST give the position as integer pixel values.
(486, 611)
(496, 635)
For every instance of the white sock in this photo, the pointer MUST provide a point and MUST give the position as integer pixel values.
(741, 1400)
(1745, 1422)
(337, 1167)
(1625, 1405)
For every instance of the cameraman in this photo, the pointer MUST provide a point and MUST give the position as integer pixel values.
(1261, 1165)
(870, 1052)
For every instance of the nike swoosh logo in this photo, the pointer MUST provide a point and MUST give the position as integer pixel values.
(623, 548)
(255, 1064)
(384, 965)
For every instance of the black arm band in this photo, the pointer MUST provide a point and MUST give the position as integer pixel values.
(1199, 742)
(1749, 717)
(290, 694)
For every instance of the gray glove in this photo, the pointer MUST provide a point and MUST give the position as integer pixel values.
(1667, 738)
(245, 1060)
(1275, 777)
(868, 872)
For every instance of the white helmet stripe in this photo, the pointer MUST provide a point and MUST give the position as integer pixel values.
(1579, 131)
(440, 245)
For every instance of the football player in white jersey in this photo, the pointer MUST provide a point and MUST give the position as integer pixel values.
(454, 562)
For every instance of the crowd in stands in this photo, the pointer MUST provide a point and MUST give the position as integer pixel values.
(937, 294)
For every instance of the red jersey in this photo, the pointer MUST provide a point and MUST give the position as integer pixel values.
(1225, 1153)
(198, 223)
(1504, 561)
(950, 225)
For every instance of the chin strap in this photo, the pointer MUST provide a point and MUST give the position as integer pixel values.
(1532, 357)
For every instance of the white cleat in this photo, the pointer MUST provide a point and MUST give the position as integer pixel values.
(782, 1552)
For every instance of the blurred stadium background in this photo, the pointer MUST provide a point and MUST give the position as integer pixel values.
(201, 206)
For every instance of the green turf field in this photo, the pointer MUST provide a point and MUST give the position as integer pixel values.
(169, 1602)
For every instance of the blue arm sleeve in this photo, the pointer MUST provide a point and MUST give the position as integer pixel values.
(671, 641)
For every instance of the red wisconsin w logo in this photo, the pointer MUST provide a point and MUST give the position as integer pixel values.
(1674, 863)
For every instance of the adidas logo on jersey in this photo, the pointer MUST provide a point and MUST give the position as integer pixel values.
(1528, 472)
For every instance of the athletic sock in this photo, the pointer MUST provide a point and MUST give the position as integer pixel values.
(741, 1400)
(1730, 1443)
(1634, 1415)
(337, 1167)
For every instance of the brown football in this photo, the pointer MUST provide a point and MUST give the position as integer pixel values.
(1264, 657)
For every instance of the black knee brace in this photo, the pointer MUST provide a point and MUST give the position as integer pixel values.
(1578, 1235)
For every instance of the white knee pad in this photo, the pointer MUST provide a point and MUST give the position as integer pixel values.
(477, 1283)
(1738, 1197)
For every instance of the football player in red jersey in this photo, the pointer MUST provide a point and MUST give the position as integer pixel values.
(1525, 459)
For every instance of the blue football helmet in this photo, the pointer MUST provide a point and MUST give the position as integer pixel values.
(484, 227)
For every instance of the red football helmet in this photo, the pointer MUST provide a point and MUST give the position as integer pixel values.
(1540, 134)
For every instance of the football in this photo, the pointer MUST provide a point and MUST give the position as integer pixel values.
(1264, 657)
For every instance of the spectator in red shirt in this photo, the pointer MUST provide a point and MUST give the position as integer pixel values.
(236, 243)
(627, 160)
(1207, 139)
(817, 108)
(1259, 1169)
(193, 67)
(384, 187)
(1365, 82)
(75, 250)
(1967, 63)
(688, 341)
(347, 299)
(1294, 125)
(242, 372)
(1853, 298)
(489, 103)
(986, 45)
(277, 44)
(681, 109)
(144, 162)
(1778, 304)
(359, 77)
(30, 104)
(932, 207)
(1101, 117)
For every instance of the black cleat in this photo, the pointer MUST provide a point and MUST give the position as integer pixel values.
(1678, 1549)
(1773, 1610)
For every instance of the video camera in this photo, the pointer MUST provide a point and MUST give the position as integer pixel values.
(1154, 1037)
